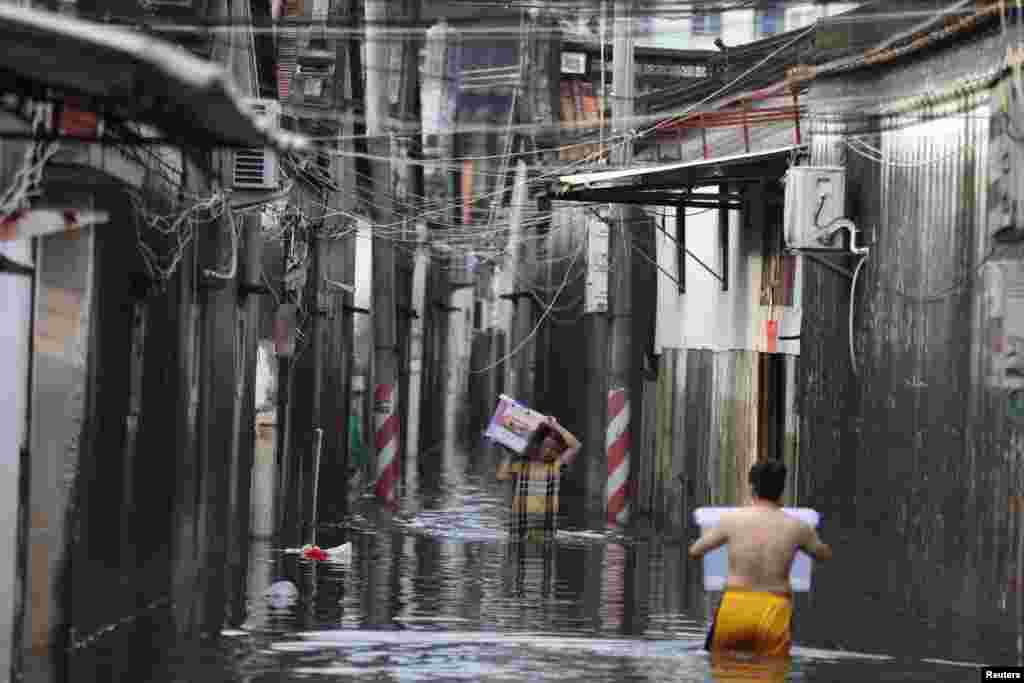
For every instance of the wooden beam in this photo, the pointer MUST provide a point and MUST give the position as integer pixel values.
(643, 198)
(723, 236)
(681, 247)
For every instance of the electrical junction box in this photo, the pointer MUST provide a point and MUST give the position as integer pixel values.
(815, 197)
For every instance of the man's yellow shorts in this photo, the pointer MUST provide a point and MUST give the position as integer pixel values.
(754, 622)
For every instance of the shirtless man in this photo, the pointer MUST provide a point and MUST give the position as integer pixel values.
(763, 540)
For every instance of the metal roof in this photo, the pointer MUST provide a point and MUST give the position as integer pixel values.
(138, 77)
(701, 172)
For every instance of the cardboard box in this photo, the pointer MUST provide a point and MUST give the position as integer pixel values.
(512, 424)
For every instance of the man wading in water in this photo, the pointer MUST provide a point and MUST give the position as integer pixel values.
(757, 606)
(535, 476)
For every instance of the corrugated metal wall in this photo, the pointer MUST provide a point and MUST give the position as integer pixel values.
(911, 459)
(706, 433)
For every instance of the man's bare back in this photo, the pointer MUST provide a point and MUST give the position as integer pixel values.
(763, 540)
(756, 608)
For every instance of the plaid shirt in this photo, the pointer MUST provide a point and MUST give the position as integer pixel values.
(535, 498)
(535, 484)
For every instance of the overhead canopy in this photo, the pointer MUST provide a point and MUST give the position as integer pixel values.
(138, 78)
(673, 184)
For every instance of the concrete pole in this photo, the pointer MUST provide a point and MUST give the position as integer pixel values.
(419, 288)
(282, 447)
(595, 383)
(386, 418)
(216, 434)
(409, 190)
(512, 275)
(617, 440)
(313, 439)
(251, 287)
(524, 322)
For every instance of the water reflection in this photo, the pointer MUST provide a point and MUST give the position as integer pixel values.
(438, 592)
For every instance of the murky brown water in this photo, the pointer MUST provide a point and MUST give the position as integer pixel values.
(436, 593)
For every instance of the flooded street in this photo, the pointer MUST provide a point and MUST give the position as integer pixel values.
(436, 593)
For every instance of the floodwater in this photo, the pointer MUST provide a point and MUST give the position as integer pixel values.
(435, 592)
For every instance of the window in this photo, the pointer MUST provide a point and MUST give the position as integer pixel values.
(771, 19)
(707, 24)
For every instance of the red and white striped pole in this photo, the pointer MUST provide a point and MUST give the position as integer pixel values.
(385, 400)
(618, 445)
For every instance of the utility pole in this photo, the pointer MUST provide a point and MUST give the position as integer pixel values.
(284, 347)
(617, 440)
(318, 346)
(595, 383)
(341, 265)
(521, 363)
(251, 289)
(378, 104)
(409, 191)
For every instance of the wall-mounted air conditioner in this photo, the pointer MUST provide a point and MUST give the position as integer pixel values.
(256, 168)
(814, 211)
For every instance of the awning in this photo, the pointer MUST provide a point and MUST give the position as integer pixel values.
(673, 184)
(138, 78)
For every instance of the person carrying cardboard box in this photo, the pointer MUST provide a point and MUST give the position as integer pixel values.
(536, 476)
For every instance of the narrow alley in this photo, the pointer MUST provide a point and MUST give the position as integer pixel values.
(585, 340)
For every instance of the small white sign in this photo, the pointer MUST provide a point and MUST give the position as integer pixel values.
(1004, 294)
(596, 290)
(313, 87)
(574, 63)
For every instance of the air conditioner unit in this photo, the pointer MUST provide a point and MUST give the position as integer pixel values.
(256, 168)
(814, 210)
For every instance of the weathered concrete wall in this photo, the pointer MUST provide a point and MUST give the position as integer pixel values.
(15, 312)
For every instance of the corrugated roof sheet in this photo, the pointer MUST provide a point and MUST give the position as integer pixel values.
(139, 78)
(610, 177)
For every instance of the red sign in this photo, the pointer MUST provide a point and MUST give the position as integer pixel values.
(773, 335)
(76, 122)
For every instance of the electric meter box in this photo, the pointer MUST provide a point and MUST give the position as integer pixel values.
(815, 196)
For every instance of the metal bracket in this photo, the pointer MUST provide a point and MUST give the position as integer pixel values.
(825, 262)
(355, 309)
(516, 296)
(247, 288)
(14, 268)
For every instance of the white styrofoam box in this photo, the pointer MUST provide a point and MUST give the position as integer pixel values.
(716, 562)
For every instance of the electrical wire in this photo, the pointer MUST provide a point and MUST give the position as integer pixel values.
(503, 27)
(853, 289)
(536, 327)
(877, 156)
(233, 268)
